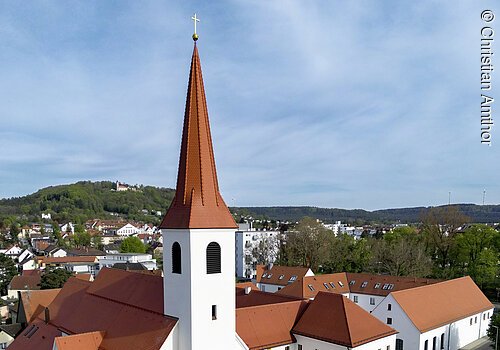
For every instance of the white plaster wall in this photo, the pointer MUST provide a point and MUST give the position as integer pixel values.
(364, 300)
(271, 288)
(457, 334)
(190, 295)
(171, 341)
(400, 322)
(314, 344)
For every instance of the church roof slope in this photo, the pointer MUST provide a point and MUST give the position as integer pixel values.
(455, 299)
(197, 202)
(335, 319)
(267, 326)
(122, 304)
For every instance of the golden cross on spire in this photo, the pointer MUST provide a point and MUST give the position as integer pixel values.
(195, 19)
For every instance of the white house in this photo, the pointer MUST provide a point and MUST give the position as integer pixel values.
(248, 240)
(127, 230)
(109, 260)
(446, 315)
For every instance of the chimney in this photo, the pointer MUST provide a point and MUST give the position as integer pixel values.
(47, 315)
(248, 290)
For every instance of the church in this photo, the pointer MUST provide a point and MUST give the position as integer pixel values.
(196, 304)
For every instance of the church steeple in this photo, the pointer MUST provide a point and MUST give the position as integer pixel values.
(197, 202)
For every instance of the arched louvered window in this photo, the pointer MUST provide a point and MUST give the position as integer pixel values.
(176, 258)
(213, 258)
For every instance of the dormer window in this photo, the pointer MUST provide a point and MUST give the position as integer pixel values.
(264, 275)
(281, 277)
(270, 275)
(364, 284)
(293, 278)
(377, 286)
(351, 283)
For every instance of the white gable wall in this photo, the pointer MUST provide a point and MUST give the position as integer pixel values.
(363, 300)
(400, 321)
(456, 334)
(386, 343)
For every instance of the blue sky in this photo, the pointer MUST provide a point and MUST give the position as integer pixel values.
(348, 104)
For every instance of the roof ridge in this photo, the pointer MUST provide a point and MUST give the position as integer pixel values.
(396, 292)
(345, 317)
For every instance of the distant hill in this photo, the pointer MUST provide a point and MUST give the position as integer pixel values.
(87, 200)
(478, 213)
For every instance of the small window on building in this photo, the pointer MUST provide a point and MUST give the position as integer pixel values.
(176, 258)
(434, 343)
(270, 275)
(442, 342)
(388, 347)
(264, 275)
(426, 345)
(471, 321)
(281, 277)
(326, 286)
(372, 301)
(293, 278)
(484, 317)
(355, 298)
(399, 344)
(377, 286)
(351, 283)
(389, 307)
(299, 347)
(341, 284)
(364, 284)
(390, 287)
(311, 287)
(287, 347)
(332, 285)
(214, 312)
(213, 258)
(389, 320)
(475, 319)
(385, 286)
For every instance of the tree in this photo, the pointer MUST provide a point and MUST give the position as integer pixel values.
(266, 251)
(132, 245)
(439, 226)
(7, 272)
(492, 330)
(346, 254)
(401, 253)
(478, 255)
(307, 245)
(97, 242)
(81, 239)
(54, 278)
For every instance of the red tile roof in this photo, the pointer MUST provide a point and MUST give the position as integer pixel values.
(256, 297)
(309, 286)
(281, 275)
(67, 259)
(455, 299)
(385, 284)
(335, 319)
(84, 341)
(267, 326)
(197, 202)
(126, 305)
(30, 282)
(35, 301)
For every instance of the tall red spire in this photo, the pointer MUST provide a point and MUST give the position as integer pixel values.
(197, 202)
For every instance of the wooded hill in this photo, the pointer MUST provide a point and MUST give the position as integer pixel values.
(88, 200)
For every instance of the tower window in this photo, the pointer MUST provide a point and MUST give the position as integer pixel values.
(176, 258)
(213, 258)
(214, 312)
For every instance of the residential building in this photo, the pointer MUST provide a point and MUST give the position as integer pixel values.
(109, 260)
(273, 277)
